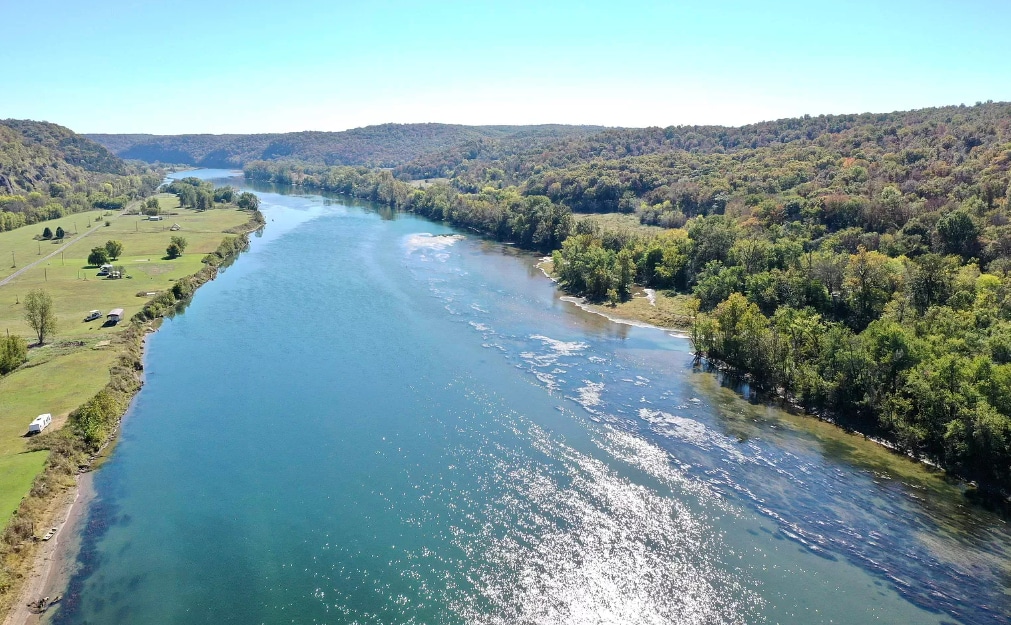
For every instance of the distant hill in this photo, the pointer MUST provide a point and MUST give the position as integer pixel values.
(386, 145)
(518, 159)
(48, 171)
(33, 153)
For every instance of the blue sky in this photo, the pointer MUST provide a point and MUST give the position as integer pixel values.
(248, 66)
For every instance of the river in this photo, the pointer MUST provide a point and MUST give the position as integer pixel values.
(374, 418)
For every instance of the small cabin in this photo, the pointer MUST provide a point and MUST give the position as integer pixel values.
(40, 423)
(115, 315)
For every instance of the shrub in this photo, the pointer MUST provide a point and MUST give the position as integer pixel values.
(94, 420)
(13, 353)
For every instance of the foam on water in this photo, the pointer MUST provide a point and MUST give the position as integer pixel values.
(431, 245)
(691, 431)
(589, 396)
(562, 347)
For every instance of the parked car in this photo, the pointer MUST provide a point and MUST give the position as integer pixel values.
(95, 314)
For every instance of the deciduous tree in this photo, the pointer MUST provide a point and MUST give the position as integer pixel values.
(40, 314)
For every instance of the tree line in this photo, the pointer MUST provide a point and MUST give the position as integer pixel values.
(203, 195)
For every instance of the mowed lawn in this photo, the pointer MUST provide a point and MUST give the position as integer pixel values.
(21, 248)
(62, 375)
(76, 288)
(17, 472)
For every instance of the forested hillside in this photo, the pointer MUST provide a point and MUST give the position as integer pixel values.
(47, 171)
(859, 266)
(386, 145)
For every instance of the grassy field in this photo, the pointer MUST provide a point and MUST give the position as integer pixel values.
(75, 287)
(17, 472)
(71, 368)
(21, 247)
(617, 221)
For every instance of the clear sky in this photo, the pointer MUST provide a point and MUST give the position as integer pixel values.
(252, 66)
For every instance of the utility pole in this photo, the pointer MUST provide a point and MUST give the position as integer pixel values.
(45, 272)
(40, 248)
(14, 263)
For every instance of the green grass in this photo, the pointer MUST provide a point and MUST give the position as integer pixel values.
(617, 221)
(669, 310)
(57, 385)
(17, 472)
(76, 289)
(421, 184)
(27, 249)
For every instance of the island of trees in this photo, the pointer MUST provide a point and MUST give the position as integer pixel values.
(858, 266)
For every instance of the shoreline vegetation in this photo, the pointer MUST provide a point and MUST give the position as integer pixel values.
(838, 290)
(92, 427)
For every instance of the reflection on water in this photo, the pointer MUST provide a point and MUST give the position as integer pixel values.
(416, 429)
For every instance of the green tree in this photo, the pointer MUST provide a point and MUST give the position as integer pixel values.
(224, 194)
(205, 200)
(931, 280)
(626, 274)
(712, 238)
(98, 256)
(13, 353)
(60, 232)
(176, 247)
(867, 285)
(958, 234)
(114, 248)
(47, 233)
(187, 195)
(40, 314)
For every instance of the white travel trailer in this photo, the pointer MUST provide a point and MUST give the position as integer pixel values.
(40, 423)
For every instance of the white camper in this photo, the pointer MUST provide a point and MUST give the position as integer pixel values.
(40, 423)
